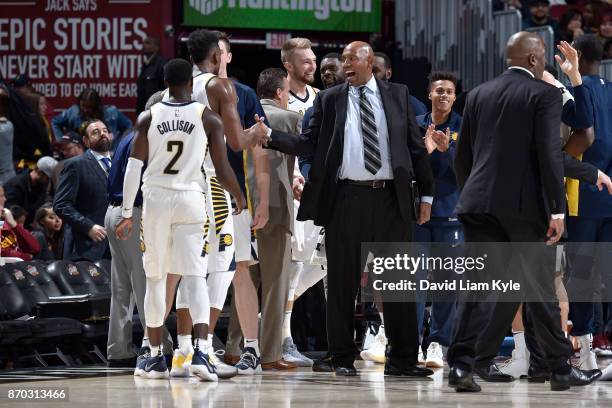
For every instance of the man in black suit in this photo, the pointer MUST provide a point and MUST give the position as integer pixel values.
(510, 170)
(366, 150)
(81, 200)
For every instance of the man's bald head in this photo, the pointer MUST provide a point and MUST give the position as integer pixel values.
(526, 50)
(357, 61)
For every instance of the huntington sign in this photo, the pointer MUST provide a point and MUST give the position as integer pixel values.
(320, 15)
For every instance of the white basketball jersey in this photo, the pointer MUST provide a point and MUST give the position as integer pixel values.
(300, 105)
(198, 94)
(177, 144)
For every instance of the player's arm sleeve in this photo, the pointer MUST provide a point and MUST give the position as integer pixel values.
(131, 184)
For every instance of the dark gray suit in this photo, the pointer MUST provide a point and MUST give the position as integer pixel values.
(80, 200)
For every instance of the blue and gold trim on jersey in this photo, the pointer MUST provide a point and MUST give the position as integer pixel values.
(221, 208)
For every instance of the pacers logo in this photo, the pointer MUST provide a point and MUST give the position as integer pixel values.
(206, 7)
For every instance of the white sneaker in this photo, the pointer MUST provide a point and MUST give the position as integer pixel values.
(435, 356)
(292, 355)
(588, 359)
(518, 365)
(421, 356)
(180, 364)
(376, 352)
(223, 370)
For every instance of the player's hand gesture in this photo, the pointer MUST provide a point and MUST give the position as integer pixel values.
(569, 66)
(430, 144)
(124, 229)
(442, 139)
(261, 131)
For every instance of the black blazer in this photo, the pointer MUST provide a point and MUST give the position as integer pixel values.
(80, 200)
(509, 160)
(324, 140)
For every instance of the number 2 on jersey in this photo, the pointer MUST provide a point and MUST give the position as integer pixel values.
(177, 155)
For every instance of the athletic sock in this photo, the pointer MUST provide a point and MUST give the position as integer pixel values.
(287, 324)
(145, 342)
(155, 350)
(184, 343)
(253, 343)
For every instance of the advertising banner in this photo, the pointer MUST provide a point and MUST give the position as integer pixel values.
(64, 46)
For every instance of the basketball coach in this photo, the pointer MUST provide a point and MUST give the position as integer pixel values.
(367, 150)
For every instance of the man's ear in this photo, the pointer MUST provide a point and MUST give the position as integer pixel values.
(229, 57)
(279, 92)
(389, 73)
(533, 61)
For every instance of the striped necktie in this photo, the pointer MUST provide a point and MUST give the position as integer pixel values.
(371, 149)
(106, 163)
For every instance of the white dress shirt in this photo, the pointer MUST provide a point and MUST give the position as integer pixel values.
(553, 216)
(353, 165)
(99, 157)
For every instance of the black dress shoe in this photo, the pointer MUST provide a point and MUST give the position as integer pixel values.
(576, 377)
(462, 380)
(412, 371)
(349, 371)
(324, 365)
(538, 375)
(491, 373)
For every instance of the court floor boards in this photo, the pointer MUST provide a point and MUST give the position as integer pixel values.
(300, 388)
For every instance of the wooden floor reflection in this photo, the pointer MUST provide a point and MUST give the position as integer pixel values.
(303, 388)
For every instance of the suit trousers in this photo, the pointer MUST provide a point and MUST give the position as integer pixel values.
(363, 214)
(482, 326)
(128, 285)
(271, 275)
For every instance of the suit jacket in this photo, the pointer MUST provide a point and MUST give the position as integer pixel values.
(281, 165)
(81, 202)
(509, 160)
(324, 139)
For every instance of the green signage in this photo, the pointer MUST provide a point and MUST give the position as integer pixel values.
(321, 15)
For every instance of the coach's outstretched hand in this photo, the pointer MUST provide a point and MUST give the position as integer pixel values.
(124, 229)
(261, 129)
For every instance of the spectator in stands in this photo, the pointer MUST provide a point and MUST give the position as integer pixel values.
(570, 26)
(81, 199)
(90, 108)
(605, 29)
(608, 49)
(151, 78)
(590, 17)
(49, 233)
(7, 168)
(15, 240)
(29, 188)
(19, 214)
(539, 15)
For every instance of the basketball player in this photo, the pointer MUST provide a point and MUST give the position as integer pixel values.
(227, 250)
(301, 64)
(172, 137)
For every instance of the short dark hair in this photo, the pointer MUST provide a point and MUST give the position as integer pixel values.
(443, 76)
(201, 43)
(590, 47)
(385, 57)
(269, 81)
(332, 55)
(18, 211)
(42, 213)
(177, 72)
(225, 37)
